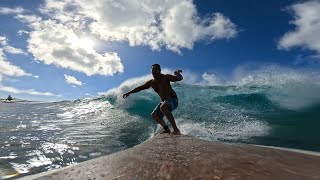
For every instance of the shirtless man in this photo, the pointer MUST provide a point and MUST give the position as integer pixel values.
(169, 100)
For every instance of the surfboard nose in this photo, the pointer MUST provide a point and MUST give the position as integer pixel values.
(168, 156)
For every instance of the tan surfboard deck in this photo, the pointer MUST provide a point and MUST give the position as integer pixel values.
(167, 156)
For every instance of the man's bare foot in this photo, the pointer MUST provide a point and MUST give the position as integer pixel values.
(166, 131)
(175, 132)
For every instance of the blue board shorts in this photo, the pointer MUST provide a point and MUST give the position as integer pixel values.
(172, 105)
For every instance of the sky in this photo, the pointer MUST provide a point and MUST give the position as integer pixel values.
(53, 50)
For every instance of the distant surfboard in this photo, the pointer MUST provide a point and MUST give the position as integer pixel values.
(8, 101)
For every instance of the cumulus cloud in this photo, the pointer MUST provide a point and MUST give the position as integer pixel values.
(72, 80)
(3, 40)
(68, 47)
(17, 10)
(170, 24)
(13, 50)
(6, 68)
(65, 44)
(28, 91)
(66, 37)
(21, 32)
(10, 49)
(307, 22)
(54, 43)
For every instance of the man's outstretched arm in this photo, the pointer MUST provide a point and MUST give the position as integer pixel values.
(178, 76)
(137, 89)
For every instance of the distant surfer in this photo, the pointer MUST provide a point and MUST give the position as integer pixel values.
(169, 100)
(9, 98)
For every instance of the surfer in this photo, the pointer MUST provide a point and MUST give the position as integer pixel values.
(9, 99)
(169, 100)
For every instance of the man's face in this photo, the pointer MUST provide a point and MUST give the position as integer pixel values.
(155, 71)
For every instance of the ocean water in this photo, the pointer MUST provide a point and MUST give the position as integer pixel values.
(266, 108)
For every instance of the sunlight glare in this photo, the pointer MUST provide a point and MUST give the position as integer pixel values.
(86, 43)
(83, 43)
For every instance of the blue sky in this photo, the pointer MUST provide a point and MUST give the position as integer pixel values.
(57, 50)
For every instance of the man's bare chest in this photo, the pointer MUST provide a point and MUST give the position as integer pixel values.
(160, 85)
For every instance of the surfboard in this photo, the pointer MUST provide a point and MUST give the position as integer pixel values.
(183, 157)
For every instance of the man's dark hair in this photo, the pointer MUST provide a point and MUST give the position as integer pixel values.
(156, 65)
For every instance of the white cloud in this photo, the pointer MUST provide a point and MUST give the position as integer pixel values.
(172, 24)
(21, 31)
(17, 10)
(13, 50)
(65, 38)
(9, 49)
(28, 18)
(29, 91)
(36, 76)
(307, 22)
(3, 40)
(7, 69)
(72, 80)
(58, 44)
(65, 44)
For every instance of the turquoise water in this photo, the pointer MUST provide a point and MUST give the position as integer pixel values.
(275, 109)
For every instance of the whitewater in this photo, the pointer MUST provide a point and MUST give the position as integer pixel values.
(271, 106)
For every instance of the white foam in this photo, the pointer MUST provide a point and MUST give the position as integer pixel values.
(84, 108)
(220, 132)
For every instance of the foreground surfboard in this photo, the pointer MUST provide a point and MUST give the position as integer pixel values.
(183, 157)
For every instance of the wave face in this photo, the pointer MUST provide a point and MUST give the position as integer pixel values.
(241, 114)
(273, 108)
